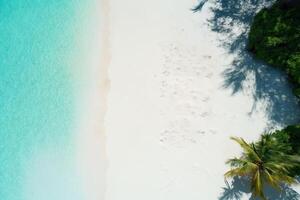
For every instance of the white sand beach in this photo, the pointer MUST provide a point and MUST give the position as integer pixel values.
(176, 95)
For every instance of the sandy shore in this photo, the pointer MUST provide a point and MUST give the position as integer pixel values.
(175, 96)
(172, 107)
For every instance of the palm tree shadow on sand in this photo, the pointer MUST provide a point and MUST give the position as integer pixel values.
(240, 186)
(270, 85)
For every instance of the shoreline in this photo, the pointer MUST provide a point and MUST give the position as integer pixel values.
(92, 160)
(167, 128)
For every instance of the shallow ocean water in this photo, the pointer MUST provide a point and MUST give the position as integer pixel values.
(37, 151)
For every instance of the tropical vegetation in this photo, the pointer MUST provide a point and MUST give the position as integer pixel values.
(275, 38)
(270, 161)
(274, 159)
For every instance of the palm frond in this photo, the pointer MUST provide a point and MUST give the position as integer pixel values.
(284, 178)
(238, 162)
(245, 170)
(246, 147)
(273, 181)
(257, 185)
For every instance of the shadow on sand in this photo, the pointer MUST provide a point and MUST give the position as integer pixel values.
(232, 19)
(240, 186)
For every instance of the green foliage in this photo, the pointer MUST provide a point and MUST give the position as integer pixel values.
(268, 161)
(275, 38)
(291, 137)
(274, 159)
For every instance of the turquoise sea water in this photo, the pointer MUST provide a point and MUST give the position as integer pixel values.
(37, 44)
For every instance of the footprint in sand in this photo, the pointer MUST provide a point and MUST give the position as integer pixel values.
(205, 99)
(212, 131)
(204, 114)
(200, 132)
(206, 57)
(209, 75)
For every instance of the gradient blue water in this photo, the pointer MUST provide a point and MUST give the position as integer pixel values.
(37, 42)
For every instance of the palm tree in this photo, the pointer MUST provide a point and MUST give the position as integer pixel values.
(265, 162)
